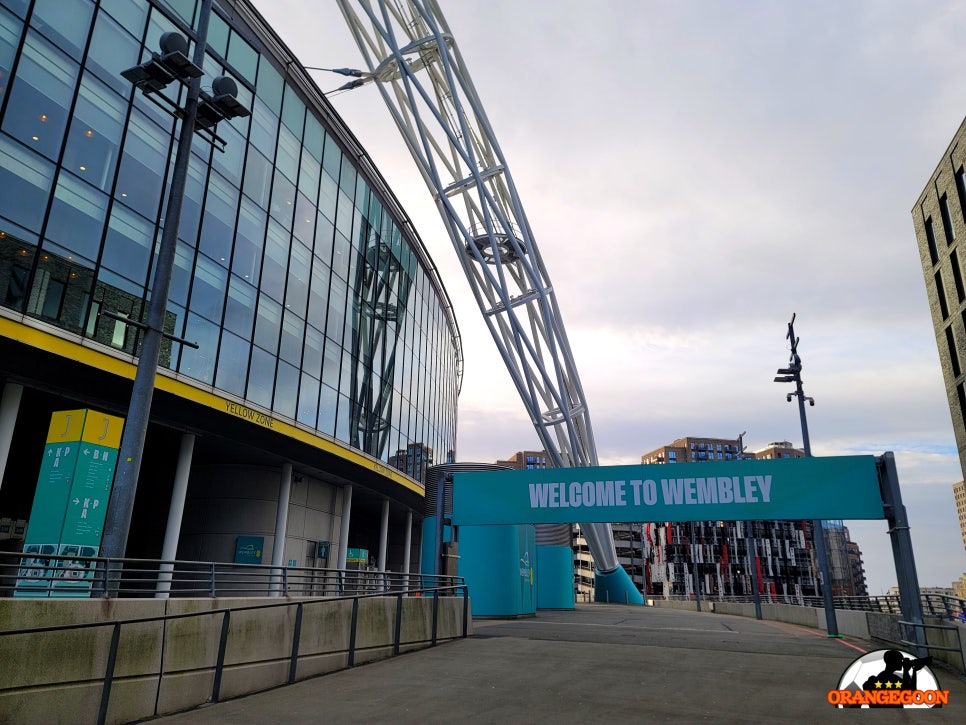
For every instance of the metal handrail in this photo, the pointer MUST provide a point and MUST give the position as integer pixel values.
(940, 606)
(435, 592)
(57, 575)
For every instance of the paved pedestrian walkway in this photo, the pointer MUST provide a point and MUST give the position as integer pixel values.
(598, 663)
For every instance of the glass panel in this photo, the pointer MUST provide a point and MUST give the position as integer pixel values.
(77, 216)
(243, 57)
(331, 364)
(113, 50)
(184, 9)
(66, 22)
(304, 224)
(249, 242)
(240, 307)
(36, 112)
(184, 257)
(342, 419)
(335, 322)
(18, 6)
(230, 162)
(343, 219)
(10, 30)
(60, 290)
(199, 364)
(127, 248)
(299, 269)
(191, 204)
(94, 139)
(318, 294)
(261, 378)
(314, 138)
(258, 178)
(283, 200)
(233, 364)
(341, 256)
(140, 181)
(26, 180)
(332, 161)
(268, 324)
(287, 158)
(312, 356)
(286, 390)
(309, 176)
(308, 400)
(18, 257)
(218, 223)
(293, 112)
(328, 401)
(274, 268)
(293, 330)
(218, 35)
(208, 288)
(264, 130)
(130, 13)
(269, 87)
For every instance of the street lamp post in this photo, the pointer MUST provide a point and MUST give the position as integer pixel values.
(793, 374)
(201, 111)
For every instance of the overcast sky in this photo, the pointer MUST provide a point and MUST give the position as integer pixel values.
(694, 173)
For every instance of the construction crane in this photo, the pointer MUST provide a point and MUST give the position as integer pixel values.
(414, 61)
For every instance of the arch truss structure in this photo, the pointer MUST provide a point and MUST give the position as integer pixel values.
(414, 61)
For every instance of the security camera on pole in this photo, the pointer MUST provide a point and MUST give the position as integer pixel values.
(793, 374)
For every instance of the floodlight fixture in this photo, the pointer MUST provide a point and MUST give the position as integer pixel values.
(158, 71)
(222, 104)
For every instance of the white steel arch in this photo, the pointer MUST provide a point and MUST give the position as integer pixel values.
(420, 73)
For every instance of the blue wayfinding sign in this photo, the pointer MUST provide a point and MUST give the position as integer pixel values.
(834, 487)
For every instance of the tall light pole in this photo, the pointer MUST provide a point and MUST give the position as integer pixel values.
(793, 374)
(201, 111)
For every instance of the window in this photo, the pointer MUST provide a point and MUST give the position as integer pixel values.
(957, 277)
(961, 191)
(947, 221)
(953, 355)
(36, 112)
(941, 295)
(931, 241)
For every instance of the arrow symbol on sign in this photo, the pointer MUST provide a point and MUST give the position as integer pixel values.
(76, 501)
(87, 451)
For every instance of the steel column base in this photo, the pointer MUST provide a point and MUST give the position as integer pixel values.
(616, 587)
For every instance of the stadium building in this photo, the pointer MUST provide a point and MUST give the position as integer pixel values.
(325, 339)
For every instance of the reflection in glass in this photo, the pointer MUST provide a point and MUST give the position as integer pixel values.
(199, 363)
(77, 216)
(127, 248)
(232, 364)
(36, 113)
(25, 179)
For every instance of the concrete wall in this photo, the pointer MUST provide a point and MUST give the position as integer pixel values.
(165, 667)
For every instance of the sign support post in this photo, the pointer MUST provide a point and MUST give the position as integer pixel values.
(895, 513)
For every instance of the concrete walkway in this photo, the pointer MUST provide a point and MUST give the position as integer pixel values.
(598, 663)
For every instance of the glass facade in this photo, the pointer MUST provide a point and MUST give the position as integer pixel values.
(304, 292)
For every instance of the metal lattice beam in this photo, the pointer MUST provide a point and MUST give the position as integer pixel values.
(418, 69)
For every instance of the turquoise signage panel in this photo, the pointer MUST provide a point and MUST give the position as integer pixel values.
(835, 487)
(248, 549)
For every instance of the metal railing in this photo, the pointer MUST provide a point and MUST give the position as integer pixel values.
(39, 575)
(940, 606)
(434, 592)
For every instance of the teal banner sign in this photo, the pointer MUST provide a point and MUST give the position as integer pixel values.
(248, 549)
(836, 487)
